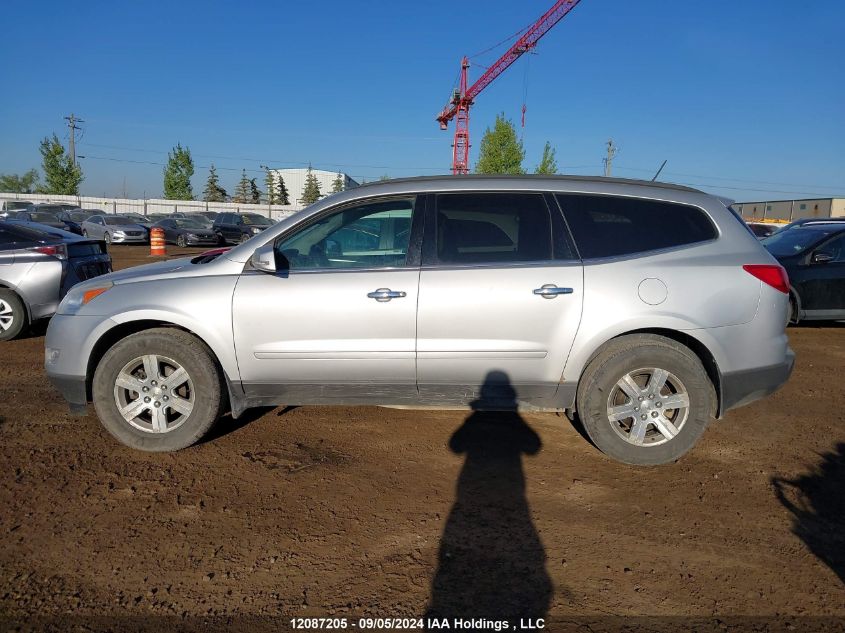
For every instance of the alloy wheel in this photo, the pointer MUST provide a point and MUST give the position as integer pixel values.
(7, 316)
(648, 406)
(154, 393)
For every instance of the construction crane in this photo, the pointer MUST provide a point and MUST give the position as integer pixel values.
(463, 97)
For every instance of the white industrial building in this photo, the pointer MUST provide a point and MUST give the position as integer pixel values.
(295, 182)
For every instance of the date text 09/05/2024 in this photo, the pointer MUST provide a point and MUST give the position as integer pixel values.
(428, 624)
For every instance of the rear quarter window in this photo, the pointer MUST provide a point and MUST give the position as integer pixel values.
(609, 226)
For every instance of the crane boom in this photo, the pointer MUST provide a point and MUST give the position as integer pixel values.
(458, 107)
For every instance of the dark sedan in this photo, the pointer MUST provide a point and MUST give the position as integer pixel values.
(813, 255)
(49, 218)
(187, 232)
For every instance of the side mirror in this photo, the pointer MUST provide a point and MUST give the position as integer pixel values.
(264, 258)
(822, 258)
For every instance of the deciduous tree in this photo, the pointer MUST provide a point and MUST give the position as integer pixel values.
(61, 176)
(14, 183)
(548, 164)
(501, 151)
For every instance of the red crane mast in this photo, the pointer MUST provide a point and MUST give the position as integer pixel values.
(463, 97)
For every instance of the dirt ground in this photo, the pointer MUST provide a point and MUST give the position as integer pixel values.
(354, 512)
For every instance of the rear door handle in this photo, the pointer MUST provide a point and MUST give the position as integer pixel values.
(550, 291)
(386, 294)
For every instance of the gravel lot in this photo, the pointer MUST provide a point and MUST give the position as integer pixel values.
(357, 511)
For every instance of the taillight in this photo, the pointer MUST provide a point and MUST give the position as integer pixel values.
(771, 274)
(58, 250)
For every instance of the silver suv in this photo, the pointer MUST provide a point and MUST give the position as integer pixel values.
(647, 309)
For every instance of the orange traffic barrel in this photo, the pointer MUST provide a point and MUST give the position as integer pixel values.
(157, 246)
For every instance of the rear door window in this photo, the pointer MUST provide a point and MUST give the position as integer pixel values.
(492, 228)
(609, 226)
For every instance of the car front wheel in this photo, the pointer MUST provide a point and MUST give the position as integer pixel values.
(107, 238)
(645, 400)
(158, 390)
(180, 241)
(12, 315)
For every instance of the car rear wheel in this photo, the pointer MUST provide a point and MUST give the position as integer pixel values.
(12, 315)
(158, 390)
(792, 312)
(180, 241)
(645, 400)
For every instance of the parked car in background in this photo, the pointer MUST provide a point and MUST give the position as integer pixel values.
(139, 218)
(187, 232)
(233, 228)
(38, 265)
(152, 218)
(809, 221)
(7, 206)
(646, 308)
(211, 216)
(79, 216)
(49, 216)
(117, 229)
(763, 229)
(813, 254)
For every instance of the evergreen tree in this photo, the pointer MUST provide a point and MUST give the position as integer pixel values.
(61, 176)
(213, 192)
(311, 193)
(270, 184)
(548, 164)
(282, 194)
(338, 184)
(501, 151)
(254, 192)
(243, 191)
(14, 183)
(177, 174)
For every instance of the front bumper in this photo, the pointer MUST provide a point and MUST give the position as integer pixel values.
(73, 389)
(202, 241)
(744, 387)
(129, 239)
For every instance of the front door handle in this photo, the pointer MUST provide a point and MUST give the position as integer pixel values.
(550, 291)
(386, 294)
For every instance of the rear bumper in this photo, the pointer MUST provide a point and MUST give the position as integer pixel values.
(744, 387)
(73, 389)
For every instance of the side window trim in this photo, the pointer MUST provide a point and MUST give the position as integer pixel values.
(562, 195)
(430, 260)
(412, 257)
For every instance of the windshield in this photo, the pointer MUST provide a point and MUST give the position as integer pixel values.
(135, 217)
(792, 242)
(255, 219)
(18, 205)
(44, 217)
(115, 220)
(189, 223)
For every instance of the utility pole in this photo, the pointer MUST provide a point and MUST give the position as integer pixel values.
(72, 125)
(611, 152)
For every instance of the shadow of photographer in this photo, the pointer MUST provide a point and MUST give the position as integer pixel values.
(492, 563)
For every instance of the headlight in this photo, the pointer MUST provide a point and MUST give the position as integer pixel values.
(78, 297)
(118, 232)
(255, 230)
(192, 236)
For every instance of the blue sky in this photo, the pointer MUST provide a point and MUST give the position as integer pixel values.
(745, 99)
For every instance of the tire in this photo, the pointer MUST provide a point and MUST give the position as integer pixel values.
(244, 238)
(221, 241)
(84, 233)
(13, 317)
(180, 241)
(792, 312)
(107, 238)
(664, 434)
(201, 390)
